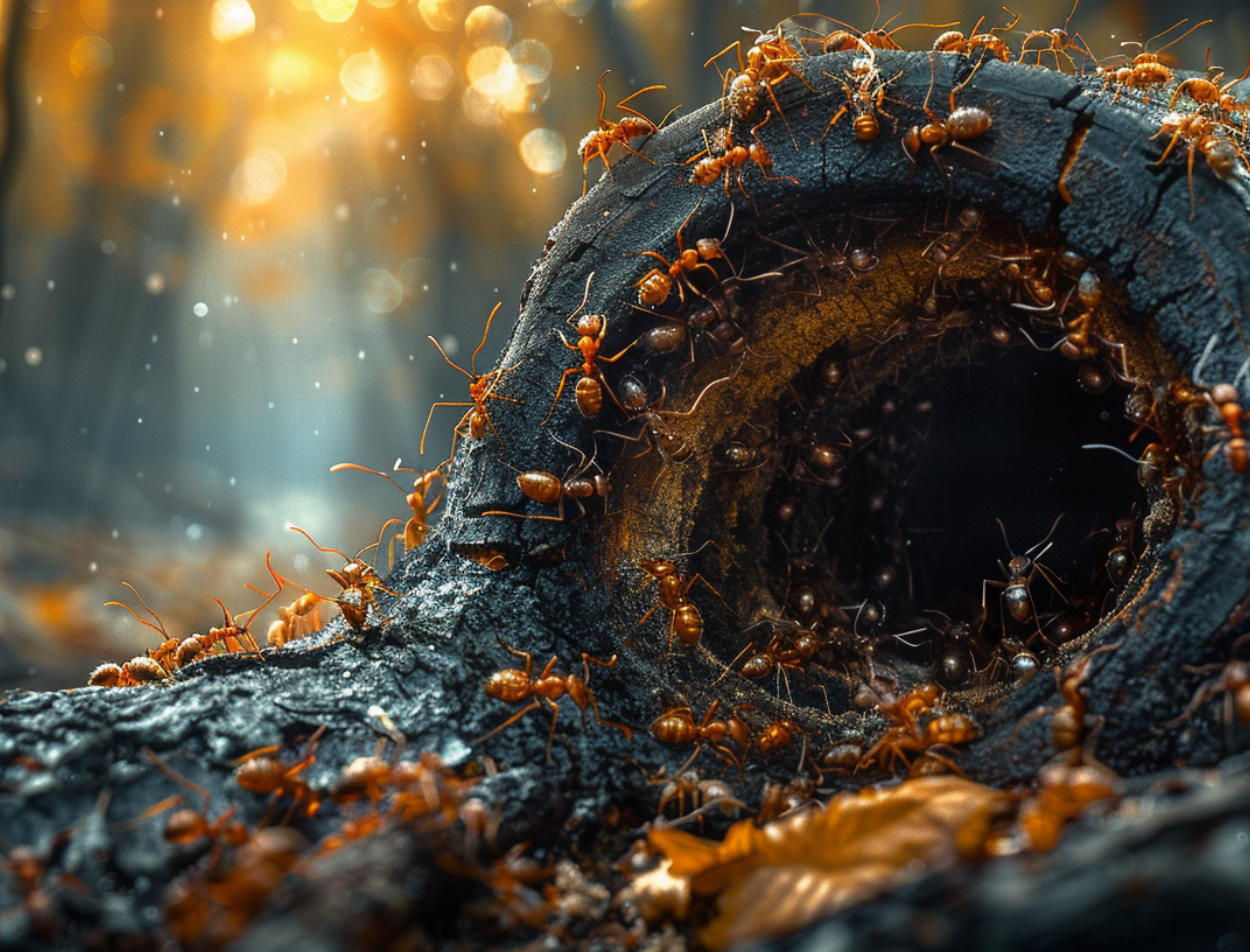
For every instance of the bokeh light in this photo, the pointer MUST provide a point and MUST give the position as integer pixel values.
(543, 151)
(363, 76)
(335, 11)
(432, 76)
(232, 19)
(90, 54)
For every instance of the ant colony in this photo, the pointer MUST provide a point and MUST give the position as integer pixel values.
(954, 488)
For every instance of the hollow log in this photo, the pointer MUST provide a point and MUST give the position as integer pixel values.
(868, 304)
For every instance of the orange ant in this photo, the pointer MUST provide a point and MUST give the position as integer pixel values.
(954, 41)
(1147, 70)
(417, 528)
(297, 620)
(1209, 92)
(1058, 41)
(686, 622)
(1016, 597)
(678, 726)
(513, 685)
(656, 285)
(1202, 135)
(1224, 398)
(481, 389)
(1071, 721)
(187, 826)
(591, 329)
(908, 736)
(790, 648)
(599, 142)
(877, 37)
(550, 490)
(1233, 682)
(768, 62)
(261, 772)
(192, 648)
(865, 99)
(966, 122)
(155, 665)
(780, 733)
(357, 580)
(707, 170)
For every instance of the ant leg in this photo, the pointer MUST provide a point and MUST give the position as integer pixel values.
(510, 721)
(559, 390)
(586, 662)
(555, 714)
(429, 418)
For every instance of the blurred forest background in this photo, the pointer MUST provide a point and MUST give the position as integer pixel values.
(228, 226)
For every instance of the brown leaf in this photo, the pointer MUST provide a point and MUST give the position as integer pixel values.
(778, 878)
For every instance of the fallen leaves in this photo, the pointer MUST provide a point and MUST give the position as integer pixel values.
(775, 879)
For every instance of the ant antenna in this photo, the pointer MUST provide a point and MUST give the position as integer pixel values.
(585, 298)
(321, 547)
(159, 626)
(1115, 449)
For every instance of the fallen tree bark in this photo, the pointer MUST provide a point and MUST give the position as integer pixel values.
(1066, 169)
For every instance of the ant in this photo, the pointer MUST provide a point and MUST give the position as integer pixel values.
(1209, 92)
(481, 389)
(954, 41)
(686, 622)
(1147, 70)
(1223, 397)
(1058, 41)
(677, 726)
(261, 772)
(958, 649)
(966, 122)
(155, 665)
(877, 37)
(638, 406)
(357, 580)
(1204, 135)
(591, 329)
(768, 62)
(599, 142)
(865, 99)
(513, 685)
(1233, 682)
(708, 170)
(187, 826)
(1071, 721)
(550, 490)
(191, 649)
(704, 795)
(1120, 558)
(656, 285)
(296, 620)
(780, 733)
(908, 736)
(790, 647)
(1016, 596)
(417, 528)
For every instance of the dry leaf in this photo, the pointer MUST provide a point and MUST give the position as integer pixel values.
(775, 879)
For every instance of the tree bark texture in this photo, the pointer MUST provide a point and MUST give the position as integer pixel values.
(1066, 166)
